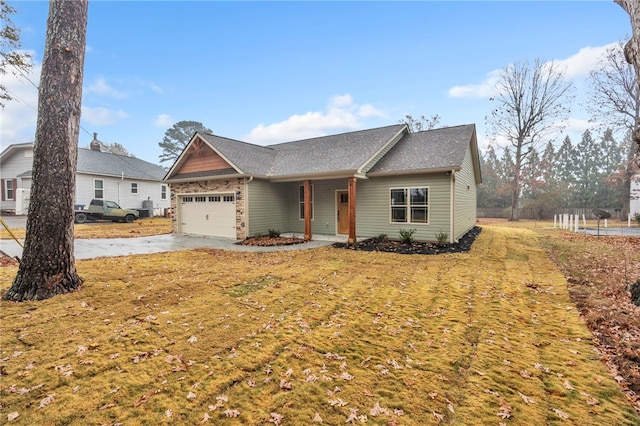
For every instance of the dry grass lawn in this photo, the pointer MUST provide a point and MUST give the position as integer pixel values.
(105, 229)
(303, 337)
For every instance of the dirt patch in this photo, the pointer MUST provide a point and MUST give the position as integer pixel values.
(6, 260)
(267, 241)
(393, 246)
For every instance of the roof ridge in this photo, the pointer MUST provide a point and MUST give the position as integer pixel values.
(237, 140)
(336, 134)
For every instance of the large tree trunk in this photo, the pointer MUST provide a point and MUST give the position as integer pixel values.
(632, 55)
(48, 267)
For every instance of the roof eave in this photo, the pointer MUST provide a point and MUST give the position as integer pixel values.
(315, 176)
(415, 171)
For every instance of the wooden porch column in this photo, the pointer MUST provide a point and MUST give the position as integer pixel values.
(307, 210)
(352, 210)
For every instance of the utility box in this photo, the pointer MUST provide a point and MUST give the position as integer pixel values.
(147, 208)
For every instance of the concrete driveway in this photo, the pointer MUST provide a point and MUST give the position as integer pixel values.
(92, 248)
(103, 247)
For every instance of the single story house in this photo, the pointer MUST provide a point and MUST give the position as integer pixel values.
(357, 184)
(129, 181)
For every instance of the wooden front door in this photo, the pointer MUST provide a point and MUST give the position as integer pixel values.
(342, 201)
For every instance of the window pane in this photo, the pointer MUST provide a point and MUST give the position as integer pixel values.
(398, 214)
(301, 194)
(419, 215)
(398, 197)
(419, 196)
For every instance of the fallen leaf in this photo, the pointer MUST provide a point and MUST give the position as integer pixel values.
(12, 416)
(47, 400)
(231, 413)
(560, 413)
(526, 399)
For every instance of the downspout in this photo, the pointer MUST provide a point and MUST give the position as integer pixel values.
(121, 180)
(452, 209)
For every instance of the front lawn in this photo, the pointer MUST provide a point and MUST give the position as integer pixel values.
(105, 229)
(328, 335)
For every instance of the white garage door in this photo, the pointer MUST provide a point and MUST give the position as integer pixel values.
(212, 215)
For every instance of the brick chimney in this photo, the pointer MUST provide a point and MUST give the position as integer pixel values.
(95, 143)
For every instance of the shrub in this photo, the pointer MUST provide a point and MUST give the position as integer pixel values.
(406, 235)
(274, 233)
(382, 238)
(442, 237)
(637, 216)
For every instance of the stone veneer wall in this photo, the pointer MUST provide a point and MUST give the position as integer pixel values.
(212, 186)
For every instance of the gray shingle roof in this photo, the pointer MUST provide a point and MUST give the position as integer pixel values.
(250, 158)
(325, 154)
(443, 148)
(344, 153)
(107, 164)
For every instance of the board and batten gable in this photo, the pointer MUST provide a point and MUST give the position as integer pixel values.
(465, 197)
(373, 206)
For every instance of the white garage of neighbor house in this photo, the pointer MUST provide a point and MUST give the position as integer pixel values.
(356, 184)
(131, 182)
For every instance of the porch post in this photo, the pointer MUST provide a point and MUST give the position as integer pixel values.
(307, 210)
(352, 210)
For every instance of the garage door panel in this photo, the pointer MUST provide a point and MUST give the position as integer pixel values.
(211, 215)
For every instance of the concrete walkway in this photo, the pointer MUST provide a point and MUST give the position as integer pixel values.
(92, 248)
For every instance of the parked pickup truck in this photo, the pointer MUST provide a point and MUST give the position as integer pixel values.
(106, 210)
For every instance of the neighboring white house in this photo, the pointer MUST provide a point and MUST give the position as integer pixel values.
(634, 204)
(129, 181)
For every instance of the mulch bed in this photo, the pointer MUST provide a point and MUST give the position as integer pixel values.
(392, 246)
(267, 241)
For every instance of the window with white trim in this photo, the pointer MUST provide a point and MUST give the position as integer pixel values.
(301, 201)
(201, 199)
(163, 192)
(98, 189)
(409, 205)
(228, 198)
(9, 189)
(134, 187)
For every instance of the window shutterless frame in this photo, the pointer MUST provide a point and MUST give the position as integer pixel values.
(409, 205)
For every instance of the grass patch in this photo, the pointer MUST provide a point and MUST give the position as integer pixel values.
(243, 338)
(144, 227)
(247, 287)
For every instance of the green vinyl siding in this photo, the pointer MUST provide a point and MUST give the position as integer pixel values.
(373, 206)
(465, 197)
(267, 207)
(324, 206)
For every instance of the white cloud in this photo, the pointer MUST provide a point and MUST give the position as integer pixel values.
(576, 66)
(19, 117)
(341, 114)
(342, 100)
(587, 58)
(102, 116)
(164, 121)
(370, 111)
(102, 88)
(484, 89)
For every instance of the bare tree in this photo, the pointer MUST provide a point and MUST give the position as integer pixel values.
(632, 55)
(614, 101)
(11, 58)
(48, 267)
(531, 103)
(423, 123)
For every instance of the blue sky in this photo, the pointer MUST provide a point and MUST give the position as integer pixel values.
(267, 72)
